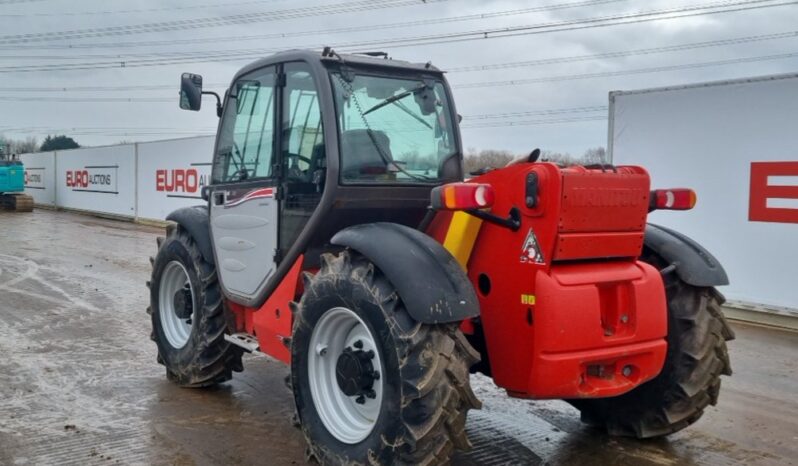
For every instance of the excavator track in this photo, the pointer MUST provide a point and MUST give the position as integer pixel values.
(16, 202)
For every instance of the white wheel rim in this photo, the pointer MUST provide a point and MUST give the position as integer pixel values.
(347, 420)
(173, 279)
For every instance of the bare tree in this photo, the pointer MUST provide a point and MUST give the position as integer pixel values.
(489, 158)
(486, 159)
(19, 146)
(595, 155)
(562, 158)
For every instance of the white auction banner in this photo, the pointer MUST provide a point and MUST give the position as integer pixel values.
(40, 177)
(171, 174)
(97, 179)
(736, 144)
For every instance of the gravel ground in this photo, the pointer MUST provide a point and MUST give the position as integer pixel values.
(79, 383)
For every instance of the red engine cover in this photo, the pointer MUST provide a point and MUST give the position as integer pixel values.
(566, 308)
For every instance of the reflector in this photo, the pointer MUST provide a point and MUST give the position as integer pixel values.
(673, 199)
(462, 196)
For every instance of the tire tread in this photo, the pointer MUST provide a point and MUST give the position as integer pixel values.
(689, 382)
(214, 358)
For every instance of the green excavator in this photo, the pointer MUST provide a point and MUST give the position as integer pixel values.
(12, 184)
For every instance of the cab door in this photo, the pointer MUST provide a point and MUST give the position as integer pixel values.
(303, 156)
(243, 203)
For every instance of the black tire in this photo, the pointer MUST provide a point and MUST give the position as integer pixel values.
(427, 393)
(690, 379)
(207, 358)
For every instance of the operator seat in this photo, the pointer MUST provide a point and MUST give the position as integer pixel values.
(359, 156)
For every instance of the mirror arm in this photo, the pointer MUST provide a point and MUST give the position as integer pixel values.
(218, 102)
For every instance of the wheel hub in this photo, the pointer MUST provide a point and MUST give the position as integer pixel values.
(184, 306)
(175, 304)
(355, 373)
(345, 374)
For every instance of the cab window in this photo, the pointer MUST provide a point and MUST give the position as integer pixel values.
(246, 142)
(303, 154)
(393, 129)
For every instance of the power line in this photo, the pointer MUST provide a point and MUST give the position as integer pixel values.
(573, 25)
(553, 111)
(605, 74)
(86, 99)
(570, 77)
(282, 35)
(234, 55)
(479, 122)
(199, 23)
(117, 12)
(528, 63)
(627, 53)
(535, 122)
(152, 87)
(122, 131)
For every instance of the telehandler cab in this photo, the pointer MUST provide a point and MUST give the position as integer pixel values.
(340, 237)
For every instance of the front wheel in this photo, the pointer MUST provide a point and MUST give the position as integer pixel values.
(690, 379)
(371, 385)
(189, 319)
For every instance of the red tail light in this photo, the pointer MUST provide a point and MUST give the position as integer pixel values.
(462, 196)
(673, 199)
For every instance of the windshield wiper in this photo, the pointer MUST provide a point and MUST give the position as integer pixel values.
(410, 112)
(384, 156)
(395, 98)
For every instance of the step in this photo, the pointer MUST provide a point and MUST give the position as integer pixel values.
(244, 340)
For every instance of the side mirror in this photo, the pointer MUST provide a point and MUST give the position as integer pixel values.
(190, 92)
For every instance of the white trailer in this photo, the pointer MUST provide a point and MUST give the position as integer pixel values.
(736, 144)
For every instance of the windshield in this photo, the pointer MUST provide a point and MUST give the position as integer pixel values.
(393, 129)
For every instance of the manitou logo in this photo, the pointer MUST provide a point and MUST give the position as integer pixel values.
(93, 179)
(774, 192)
(179, 180)
(605, 197)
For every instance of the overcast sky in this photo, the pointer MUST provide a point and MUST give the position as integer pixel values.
(562, 109)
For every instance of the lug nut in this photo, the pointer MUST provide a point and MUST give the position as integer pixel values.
(321, 350)
(361, 400)
(370, 354)
(375, 375)
(358, 344)
(371, 394)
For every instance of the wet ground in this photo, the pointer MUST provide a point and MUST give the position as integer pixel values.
(79, 383)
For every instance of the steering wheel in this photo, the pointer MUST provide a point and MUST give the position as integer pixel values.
(300, 157)
(242, 173)
(293, 171)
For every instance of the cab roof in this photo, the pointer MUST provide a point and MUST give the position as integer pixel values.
(347, 58)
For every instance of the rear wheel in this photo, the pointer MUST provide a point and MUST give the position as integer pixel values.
(371, 385)
(690, 379)
(189, 320)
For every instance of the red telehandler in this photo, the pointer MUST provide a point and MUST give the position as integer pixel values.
(340, 237)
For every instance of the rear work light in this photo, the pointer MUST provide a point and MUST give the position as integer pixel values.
(672, 199)
(462, 196)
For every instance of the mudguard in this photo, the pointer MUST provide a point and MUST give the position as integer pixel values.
(694, 264)
(196, 221)
(433, 286)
